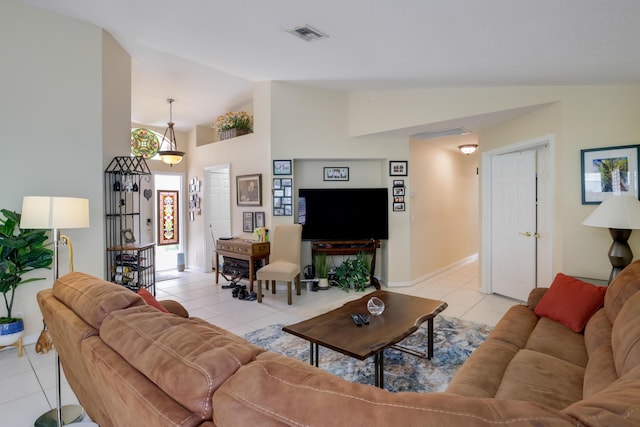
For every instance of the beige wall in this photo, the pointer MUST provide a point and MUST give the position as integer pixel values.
(444, 206)
(57, 125)
(579, 117)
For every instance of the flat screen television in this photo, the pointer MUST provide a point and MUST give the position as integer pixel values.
(343, 213)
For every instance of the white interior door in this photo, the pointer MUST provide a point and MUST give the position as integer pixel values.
(513, 224)
(218, 202)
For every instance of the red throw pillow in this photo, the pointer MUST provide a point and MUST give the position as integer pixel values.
(151, 300)
(571, 302)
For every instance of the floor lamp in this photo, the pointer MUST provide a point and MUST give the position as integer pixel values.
(55, 213)
(620, 214)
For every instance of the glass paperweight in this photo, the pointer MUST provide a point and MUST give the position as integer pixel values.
(375, 306)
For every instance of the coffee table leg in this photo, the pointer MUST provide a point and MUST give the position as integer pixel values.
(378, 361)
(313, 354)
(430, 338)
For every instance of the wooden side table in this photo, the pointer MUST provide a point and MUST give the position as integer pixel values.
(244, 249)
(349, 247)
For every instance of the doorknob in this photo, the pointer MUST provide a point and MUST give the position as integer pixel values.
(526, 234)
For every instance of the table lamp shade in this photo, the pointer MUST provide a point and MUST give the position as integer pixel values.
(617, 211)
(54, 212)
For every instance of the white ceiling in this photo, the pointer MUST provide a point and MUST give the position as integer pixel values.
(207, 53)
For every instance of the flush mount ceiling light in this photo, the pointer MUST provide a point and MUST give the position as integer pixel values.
(468, 148)
(308, 33)
(171, 156)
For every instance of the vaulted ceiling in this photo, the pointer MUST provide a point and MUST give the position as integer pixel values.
(207, 53)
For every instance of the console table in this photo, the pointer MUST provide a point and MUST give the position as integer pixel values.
(245, 249)
(348, 247)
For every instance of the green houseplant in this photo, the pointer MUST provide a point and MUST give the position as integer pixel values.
(322, 269)
(353, 272)
(21, 251)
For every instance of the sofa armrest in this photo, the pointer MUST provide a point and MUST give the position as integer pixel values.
(535, 296)
(175, 307)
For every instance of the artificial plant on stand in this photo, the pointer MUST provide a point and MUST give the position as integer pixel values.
(21, 251)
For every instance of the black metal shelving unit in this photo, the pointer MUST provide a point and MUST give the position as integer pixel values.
(130, 262)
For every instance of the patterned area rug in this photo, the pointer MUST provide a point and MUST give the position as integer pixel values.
(454, 340)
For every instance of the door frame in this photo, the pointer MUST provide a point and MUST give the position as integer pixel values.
(209, 245)
(546, 246)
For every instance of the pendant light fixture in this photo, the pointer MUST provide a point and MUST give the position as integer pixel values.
(171, 156)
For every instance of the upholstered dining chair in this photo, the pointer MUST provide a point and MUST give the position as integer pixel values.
(284, 260)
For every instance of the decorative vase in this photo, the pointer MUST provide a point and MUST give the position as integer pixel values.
(232, 133)
(11, 332)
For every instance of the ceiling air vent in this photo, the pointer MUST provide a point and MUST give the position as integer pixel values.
(307, 33)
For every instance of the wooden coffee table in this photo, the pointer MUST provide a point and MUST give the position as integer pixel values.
(402, 316)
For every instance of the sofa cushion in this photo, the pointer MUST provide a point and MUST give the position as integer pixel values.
(276, 390)
(597, 332)
(552, 338)
(91, 298)
(534, 377)
(151, 300)
(187, 358)
(625, 336)
(621, 288)
(600, 371)
(570, 301)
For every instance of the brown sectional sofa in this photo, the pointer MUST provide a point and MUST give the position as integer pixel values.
(132, 365)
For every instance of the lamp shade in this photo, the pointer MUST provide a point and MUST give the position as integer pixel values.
(617, 211)
(54, 212)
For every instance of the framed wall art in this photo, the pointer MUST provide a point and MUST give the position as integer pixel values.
(336, 174)
(258, 219)
(398, 167)
(249, 190)
(282, 196)
(247, 222)
(282, 167)
(608, 170)
(398, 206)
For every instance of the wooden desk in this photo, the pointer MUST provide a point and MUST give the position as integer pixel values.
(248, 250)
(349, 247)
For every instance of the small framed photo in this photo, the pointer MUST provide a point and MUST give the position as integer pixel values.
(398, 191)
(336, 174)
(398, 168)
(258, 219)
(398, 182)
(282, 167)
(249, 190)
(277, 183)
(247, 222)
(398, 207)
(609, 170)
(398, 199)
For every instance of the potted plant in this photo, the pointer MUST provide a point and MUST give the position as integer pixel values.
(231, 124)
(21, 251)
(352, 273)
(322, 270)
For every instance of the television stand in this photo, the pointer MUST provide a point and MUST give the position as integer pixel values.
(349, 247)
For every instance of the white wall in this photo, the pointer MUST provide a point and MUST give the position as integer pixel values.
(51, 114)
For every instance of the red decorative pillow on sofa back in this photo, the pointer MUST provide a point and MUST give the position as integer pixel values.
(571, 301)
(151, 300)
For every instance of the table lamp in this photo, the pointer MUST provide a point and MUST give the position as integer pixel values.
(55, 213)
(620, 214)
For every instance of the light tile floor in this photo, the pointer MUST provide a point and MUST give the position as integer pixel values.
(27, 384)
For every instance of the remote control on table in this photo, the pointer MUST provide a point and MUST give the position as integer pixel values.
(356, 320)
(364, 319)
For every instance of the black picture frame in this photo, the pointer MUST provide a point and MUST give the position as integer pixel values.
(335, 173)
(398, 168)
(398, 206)
(282, 167)
(247, 222)
(258, 219)
(249, 190)
(282, 197)
(398, 182)
(598, 179)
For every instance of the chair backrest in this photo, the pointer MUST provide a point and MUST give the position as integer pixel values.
(286, 241)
